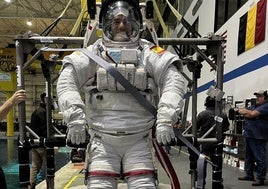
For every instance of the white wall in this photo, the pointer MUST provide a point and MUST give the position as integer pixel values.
(240, 87)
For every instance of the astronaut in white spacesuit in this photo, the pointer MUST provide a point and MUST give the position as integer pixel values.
(120, 128)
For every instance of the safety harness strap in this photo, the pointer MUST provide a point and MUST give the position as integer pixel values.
(166, 164)
(201, 164)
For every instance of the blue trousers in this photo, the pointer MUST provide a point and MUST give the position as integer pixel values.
(255, 153)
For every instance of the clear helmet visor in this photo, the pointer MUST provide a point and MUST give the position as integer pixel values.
(121, 23)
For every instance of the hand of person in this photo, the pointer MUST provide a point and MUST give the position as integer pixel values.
(18, 97)
(164, 134)
(77, 134)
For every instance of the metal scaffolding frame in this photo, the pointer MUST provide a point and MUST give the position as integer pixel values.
(25, 44)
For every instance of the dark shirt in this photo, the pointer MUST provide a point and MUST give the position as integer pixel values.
(205, 120)
(257, 128)
(39, 122)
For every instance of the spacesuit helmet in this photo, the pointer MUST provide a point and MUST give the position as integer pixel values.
(121, 22)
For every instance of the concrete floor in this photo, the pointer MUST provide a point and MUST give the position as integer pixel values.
(70, 177)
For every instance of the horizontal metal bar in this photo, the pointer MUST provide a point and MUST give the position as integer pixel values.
(207, 140)
(51, 40)
(188, 41)
(202, 140)
(80, 40)
(32, 132)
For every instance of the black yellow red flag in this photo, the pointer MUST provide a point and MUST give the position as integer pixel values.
(252, 27)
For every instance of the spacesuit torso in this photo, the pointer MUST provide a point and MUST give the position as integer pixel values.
(110, 108)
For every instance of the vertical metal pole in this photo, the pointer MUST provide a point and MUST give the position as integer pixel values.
(192, 157)
(194, 106)
(185, 111)
(219, 86)
(20, 85)
(50, 150)
(23, 152)
(217, 156)
(48, 107)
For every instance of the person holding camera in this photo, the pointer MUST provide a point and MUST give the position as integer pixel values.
(256, 135)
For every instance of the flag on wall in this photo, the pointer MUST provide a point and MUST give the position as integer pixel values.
(252, 27)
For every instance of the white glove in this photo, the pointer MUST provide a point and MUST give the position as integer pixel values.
(164, 134)
(77, 134)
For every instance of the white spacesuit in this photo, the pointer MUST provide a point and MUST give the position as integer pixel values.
(119, 126)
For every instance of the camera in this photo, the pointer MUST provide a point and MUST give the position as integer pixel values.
(234, 114)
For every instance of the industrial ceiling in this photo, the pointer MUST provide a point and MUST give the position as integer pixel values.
(42, 13)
